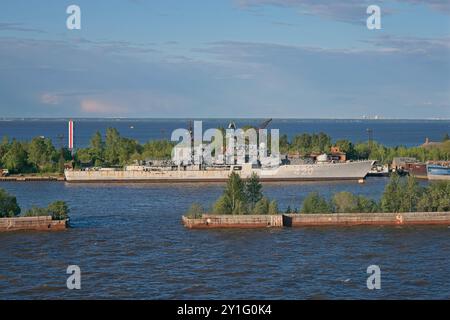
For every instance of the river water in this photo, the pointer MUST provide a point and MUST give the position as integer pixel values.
(129, 242)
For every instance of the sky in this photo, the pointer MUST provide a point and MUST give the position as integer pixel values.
(225, 58)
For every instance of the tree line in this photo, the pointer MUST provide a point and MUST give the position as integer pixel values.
(400, 195)
(305, 144)
(40, 155)
(37, 155)
(116, 150)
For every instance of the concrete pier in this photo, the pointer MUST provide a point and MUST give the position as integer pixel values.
(234, 221)
(326, 219)
(353, 219)
(44, 223)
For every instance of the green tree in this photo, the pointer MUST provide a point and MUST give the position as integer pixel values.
(436, 197)
(127, 148)
(97, 149)
(345, 202)
(8, 205)
(253, 190)
(367, 205)
(15, 159)
(58, 210)
(314, 203)
(157, 149)
(36, 212)
(284, 144)
(84, 156)
(362, 151)
(391, 199)
(262, 206)
(112, 146)
(4, 147)
(401, 196)
(323, 143)
(347, 147)
(301, 143)
(61, 162)
(234, 190)
(410, 193)
(240, 208)
(446, 138)
(195, 211)
(64, 156)
(41, 153)
(273, 208)
(222, 206)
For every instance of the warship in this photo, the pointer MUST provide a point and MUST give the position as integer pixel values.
(271, 168)
(350, 170)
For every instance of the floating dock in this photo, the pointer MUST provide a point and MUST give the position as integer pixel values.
(208, 221)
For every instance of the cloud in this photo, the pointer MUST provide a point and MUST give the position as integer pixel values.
(14, 26)
(50, 99)
(91, 106)
(352, 11)
(390, 75)
(226, 79)
(255, 52)
(438, 5)
(347, 11)
(431, 47)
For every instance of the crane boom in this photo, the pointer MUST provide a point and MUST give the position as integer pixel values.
(265, 124)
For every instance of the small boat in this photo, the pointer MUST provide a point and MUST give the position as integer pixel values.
(379, 171)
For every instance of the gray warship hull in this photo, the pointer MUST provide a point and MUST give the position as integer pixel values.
(304, 172)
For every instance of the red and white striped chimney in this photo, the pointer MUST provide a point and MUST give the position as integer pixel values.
(70, 134)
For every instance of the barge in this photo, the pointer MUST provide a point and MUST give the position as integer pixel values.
(438, 171)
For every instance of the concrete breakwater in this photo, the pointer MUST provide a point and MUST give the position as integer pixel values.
(234, 221)
(43, 223)
(305, 220)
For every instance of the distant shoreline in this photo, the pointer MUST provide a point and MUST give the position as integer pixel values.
(222, 118)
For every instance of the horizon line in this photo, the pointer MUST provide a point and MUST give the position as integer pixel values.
(216, 118)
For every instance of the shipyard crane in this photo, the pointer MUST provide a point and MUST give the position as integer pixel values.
(190, 127)
(264, 124)
(232, 125)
